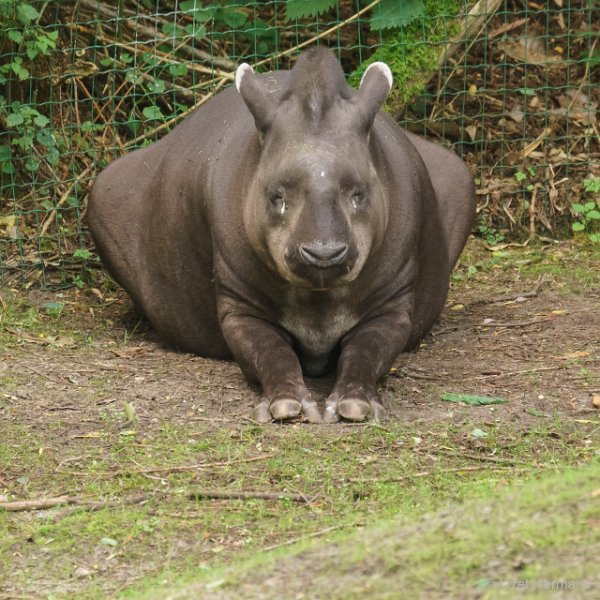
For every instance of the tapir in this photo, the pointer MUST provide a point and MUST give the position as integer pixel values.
(291, 224)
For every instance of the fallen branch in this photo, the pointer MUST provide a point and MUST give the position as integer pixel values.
(473, 24)
(46, 503)
(484, 458)
(226, 495)
(154, 34)
(513, 297)
(466, 468)
(509, 373)
(304, 537)
(515, 323)
(165, 470)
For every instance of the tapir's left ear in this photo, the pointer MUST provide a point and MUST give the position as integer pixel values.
(257, 99)
(375, 85)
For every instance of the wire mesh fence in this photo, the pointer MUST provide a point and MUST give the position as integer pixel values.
(511, 85)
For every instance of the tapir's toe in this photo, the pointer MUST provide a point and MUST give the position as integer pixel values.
(354, 409)
(377, 411)
(261, 413)
(286, 408)
(310, 411)
(330, 415)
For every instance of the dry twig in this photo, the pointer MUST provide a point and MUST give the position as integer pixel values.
(172, 469)
(233, 495)
(46, 503)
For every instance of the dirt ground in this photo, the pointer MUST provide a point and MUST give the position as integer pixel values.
(532, 340)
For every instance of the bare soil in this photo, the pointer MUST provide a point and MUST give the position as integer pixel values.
(539, 353)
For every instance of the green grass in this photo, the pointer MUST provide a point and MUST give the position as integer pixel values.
(358, 476)
(571, 267)
(533, 533)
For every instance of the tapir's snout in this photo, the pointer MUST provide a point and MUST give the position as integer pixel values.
(323, 255)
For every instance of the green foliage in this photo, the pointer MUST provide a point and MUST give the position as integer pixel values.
(526, 177)
(588, 213)
(592, 185)
(490, 234)
(388, 14)
(391, 13)
(471, 399)
(297, 9)
(29, 128)
(412, 51)
(19, 21)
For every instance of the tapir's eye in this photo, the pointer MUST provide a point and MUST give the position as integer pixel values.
(277, 200)
(358, 199)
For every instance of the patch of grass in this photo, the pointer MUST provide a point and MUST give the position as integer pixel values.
(572, 268)
(356, 475)
(531, 533)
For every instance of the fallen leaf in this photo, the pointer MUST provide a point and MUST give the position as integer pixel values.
(109, 541)
(478, 433)
(535, 412)
(570, 355)
(472, 400)
(596, 401)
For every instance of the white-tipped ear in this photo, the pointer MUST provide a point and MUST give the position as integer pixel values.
(242, 70)
(375, 85)
(255, 95)
(382, 68)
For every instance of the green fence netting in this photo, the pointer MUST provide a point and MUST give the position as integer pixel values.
(510, 84)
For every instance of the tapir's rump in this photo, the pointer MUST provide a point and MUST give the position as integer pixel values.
(291, 224)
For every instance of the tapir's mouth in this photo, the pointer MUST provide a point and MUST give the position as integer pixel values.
(324, 256)
(322, 269)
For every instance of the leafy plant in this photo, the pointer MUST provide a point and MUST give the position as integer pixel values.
(28, 41)
(19, 22)
(387, 14)
(588, 214)
(526, 176)
(492, 236)
(410, 46)
(592, 185)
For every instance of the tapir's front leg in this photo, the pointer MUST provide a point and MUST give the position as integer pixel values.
(265, 355)
(368, 352)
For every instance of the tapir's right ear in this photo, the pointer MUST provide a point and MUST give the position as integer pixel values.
(256, 98)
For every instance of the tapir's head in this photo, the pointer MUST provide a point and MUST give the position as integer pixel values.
(316, 208)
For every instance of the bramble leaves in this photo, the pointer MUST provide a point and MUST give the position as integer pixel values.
(297, 9)
(391, 13)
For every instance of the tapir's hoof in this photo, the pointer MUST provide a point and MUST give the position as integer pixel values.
(310, 411)
(284, 409)
(262, 414)
(354, 409)
(330, 415)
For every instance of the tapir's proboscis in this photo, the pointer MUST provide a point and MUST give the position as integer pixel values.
(292, 225)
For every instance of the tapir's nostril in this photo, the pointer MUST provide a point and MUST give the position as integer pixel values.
(324, 255)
